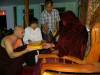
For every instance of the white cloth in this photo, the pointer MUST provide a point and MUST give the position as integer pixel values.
(32, 35)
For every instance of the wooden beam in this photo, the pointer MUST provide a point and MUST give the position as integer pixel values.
(15, 16)
(83, 11)
(26, 13)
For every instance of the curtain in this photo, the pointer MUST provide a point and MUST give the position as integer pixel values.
(92, 6)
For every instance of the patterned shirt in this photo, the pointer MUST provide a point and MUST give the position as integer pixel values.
(50, 19)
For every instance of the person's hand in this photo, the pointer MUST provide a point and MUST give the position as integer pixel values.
(45, 28)
(55, 51)
(48, 45)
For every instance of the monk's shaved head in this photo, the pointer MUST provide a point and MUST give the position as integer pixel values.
(19, 31)
(18, 28)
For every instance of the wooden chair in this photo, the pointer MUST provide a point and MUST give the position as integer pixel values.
(89, 64)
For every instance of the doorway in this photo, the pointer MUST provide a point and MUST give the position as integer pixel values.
(3, 21)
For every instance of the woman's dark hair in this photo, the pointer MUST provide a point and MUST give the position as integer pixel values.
(48, 1)
(33, 20)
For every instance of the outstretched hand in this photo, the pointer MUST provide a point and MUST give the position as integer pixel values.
(48, 45)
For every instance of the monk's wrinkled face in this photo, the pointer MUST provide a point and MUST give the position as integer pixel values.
(19, 32)
(49, 7)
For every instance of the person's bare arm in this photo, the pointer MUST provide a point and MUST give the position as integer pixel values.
(10, 50)
(48, 45)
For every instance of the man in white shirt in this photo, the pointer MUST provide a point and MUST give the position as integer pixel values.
(32, 34)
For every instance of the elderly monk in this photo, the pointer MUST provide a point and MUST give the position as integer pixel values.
(11, 52)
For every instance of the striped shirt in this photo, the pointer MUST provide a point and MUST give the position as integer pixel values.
(50, 19)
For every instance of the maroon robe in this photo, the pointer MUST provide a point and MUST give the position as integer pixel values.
(73, 36)
(10, 66)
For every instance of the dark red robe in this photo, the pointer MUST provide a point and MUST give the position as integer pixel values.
(73, 36)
